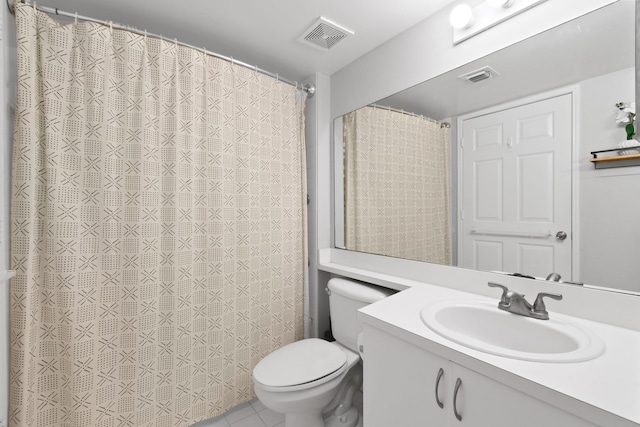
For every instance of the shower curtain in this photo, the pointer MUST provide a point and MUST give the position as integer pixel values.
(396, 174)
(158, 227)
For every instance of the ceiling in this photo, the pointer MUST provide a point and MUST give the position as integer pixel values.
(265, 32)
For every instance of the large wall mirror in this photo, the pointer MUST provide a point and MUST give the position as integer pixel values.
(488, 166)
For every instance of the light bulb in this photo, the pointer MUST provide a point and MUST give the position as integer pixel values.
(461, 16)
(499, 3)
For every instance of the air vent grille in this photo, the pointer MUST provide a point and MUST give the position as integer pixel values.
(324, 34)
(479, 75)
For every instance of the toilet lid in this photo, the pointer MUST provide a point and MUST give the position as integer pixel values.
(299, 363)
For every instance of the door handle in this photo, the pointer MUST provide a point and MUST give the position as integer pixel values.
(561, 235)
(440, 374)
(455, 399)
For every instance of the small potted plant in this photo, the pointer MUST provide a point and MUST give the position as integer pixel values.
(626, 115)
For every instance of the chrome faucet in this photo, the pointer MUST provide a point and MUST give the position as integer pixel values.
(553, 277)
(514, 302)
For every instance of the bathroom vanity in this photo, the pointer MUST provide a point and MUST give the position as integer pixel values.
(413, 376)
(428, 381)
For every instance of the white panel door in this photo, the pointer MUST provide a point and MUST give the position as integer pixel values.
(516, 189)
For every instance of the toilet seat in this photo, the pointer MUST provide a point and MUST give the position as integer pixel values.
(303, 364)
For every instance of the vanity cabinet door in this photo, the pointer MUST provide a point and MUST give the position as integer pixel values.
(399, 383)
(483, 402)
(400, 391)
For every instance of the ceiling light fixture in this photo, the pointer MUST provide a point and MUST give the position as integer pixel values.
(461, 16)
(467, 21)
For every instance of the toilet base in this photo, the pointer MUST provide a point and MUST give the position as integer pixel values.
(341, 412)
(304, 420)
(349, 419)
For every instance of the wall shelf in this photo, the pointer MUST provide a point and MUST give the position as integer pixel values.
(614, 161)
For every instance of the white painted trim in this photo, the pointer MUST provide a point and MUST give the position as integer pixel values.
(575, 183)
(554, 93)
(338, 187)
(460, 189)
(572, 90)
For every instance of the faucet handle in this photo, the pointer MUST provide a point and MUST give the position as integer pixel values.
(539, 306)
(505, 290)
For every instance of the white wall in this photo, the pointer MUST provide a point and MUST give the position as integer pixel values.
(609, 199)
(319, 190)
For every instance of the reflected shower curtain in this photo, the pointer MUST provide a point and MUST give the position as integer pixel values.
(397, 185)
(158, 228)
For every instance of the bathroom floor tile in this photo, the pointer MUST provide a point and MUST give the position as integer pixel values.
(250, 421)
(220, 421)
(239, 412)
(271, 418)
(255, 414)
(257, 405)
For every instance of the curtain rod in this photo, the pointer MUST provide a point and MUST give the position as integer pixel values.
(309, 89)
(409, 113)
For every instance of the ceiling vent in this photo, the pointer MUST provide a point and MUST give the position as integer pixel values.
(324, 34)
(479, 75)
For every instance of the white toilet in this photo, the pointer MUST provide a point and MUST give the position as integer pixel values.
(313, 381)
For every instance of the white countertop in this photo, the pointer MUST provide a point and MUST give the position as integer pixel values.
(613, 308)
(605, 390)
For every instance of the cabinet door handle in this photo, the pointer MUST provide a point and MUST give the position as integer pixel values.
(440, 374)
(455, 399)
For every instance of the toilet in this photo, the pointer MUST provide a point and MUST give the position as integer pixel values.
(312, 381)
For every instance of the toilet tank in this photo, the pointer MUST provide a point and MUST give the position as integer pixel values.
(346, 297)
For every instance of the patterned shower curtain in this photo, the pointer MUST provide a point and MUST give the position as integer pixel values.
(396, 174)
(158, 227)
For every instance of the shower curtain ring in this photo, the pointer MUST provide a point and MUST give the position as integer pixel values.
(76, 18)
(296, 84)
(277, 77)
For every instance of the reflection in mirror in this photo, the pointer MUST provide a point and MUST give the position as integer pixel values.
(396, 185)
(518, 161)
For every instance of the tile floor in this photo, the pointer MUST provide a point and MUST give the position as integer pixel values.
(254, 414)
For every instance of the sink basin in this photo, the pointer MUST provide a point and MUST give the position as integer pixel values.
(482, 326)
